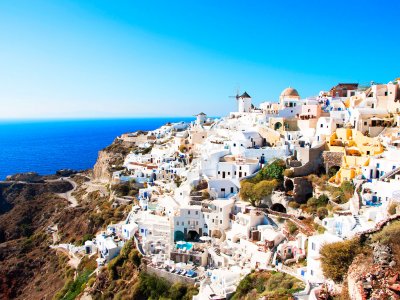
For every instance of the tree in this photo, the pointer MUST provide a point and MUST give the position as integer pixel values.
(264, 188)
(274, 170)
(255, 192)
(247, 192)
(337, 257)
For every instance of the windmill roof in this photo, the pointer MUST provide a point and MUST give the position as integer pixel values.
(245, 95)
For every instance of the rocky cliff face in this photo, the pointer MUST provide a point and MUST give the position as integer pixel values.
(101, 170)
(110, 159)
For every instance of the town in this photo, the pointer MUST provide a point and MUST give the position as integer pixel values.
(264, 188)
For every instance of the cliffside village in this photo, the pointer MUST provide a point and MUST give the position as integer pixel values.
(189, 220)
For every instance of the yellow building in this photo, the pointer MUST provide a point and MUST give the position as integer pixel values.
(356, 149)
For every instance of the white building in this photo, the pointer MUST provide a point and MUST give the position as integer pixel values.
(315, 243)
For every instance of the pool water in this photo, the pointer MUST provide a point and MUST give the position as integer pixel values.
(186, 246)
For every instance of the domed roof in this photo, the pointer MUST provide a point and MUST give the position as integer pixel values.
(290, 92)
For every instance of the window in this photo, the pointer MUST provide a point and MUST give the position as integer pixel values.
(313, 246)
(234, 145)
(309, 110)
(365, 123)
(188, 212)
(322, 125)
(197, 212)
(177, 223)
(183, 223)
(197, 222)
(312, 272)
(188, 222)
(219, 172)
(220, 221)
(220, 209)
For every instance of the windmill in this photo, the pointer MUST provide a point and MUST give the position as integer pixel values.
(237, 93)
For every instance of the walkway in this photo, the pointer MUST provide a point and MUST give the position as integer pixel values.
(68, 195)
(303, 227)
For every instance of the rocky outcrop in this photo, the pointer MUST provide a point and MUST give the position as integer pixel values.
(111, 159)
(26, 177)
(101, 170)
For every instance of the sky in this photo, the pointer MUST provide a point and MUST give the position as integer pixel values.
(109, 59)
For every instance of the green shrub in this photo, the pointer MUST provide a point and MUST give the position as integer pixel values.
(288, 173)
(337, 257)
(322, 213)
(294, 204)
(271, 285)
(390, 234)
(392, 209)
(291, 227)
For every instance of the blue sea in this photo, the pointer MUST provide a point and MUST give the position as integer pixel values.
(47, 146)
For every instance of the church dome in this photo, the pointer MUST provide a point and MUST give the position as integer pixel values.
(290, 92)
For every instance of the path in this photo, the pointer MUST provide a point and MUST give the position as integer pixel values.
(74, 261)
(68, 195)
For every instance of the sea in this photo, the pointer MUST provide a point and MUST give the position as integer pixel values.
(49, 145)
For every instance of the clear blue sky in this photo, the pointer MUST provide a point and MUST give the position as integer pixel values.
(76, 59)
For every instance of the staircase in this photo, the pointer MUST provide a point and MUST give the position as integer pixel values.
(357, 218)
(389, 174)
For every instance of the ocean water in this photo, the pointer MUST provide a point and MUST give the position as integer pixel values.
(47, 146)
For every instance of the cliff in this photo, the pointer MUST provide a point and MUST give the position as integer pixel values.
(111, 159)
(30, 212)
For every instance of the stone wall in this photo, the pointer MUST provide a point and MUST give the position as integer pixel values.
(170, 277)
(302, 188)
(311, 159)
(332, 159)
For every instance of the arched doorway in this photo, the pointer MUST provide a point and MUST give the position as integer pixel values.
(277, 125)
(193, 235)
(278, 207)
(289, 186)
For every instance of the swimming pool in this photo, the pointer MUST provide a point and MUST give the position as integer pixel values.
(185, 246)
